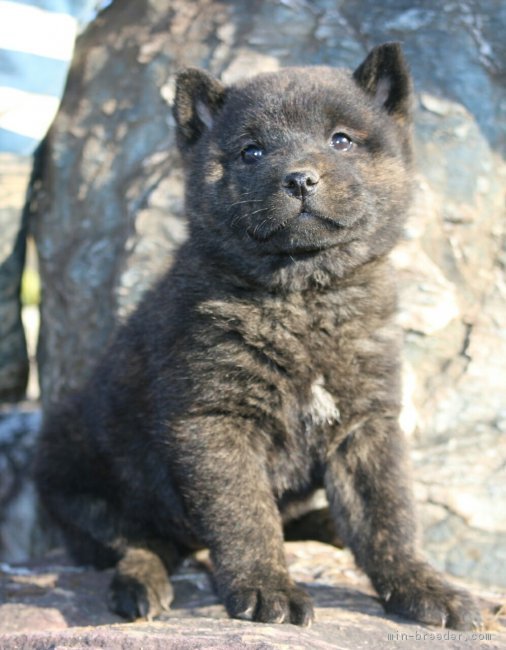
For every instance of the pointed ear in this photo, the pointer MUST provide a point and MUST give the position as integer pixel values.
(385, 75)
(199, 97)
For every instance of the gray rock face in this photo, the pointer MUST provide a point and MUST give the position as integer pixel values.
(53, 605)
(14, 176)
(20, 534)
(109, 215)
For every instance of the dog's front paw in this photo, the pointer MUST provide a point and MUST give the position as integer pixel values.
(140, 587)
(271, 604)
(424, 596)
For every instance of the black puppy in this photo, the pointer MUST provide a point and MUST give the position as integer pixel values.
(265, 364)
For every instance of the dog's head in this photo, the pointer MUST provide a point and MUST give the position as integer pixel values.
(299, 172)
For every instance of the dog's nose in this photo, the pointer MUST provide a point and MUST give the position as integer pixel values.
(301, 183)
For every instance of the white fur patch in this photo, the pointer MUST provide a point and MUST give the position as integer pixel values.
(322, 409)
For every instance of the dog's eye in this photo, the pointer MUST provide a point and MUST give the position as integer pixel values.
(252, 153)
(341, 142)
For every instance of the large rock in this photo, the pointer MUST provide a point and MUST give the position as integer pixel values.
(21, 534)
(109, 214)
(14, 177)
(51, 605)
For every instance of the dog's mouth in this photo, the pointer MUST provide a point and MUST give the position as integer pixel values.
(305, 233)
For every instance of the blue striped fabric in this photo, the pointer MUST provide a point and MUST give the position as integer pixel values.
(74, 8)
(36, 46)
(32, 73)
(11, 142)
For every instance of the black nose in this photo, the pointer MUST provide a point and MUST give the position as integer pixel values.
(302, 183)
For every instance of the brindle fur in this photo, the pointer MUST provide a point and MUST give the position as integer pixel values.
(264, 365)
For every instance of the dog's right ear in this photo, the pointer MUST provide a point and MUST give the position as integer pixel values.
(199, 97)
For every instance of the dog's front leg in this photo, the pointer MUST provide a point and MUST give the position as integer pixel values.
(371, 500)
(221, 471)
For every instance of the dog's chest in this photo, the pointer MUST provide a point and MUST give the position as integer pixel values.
(310, 420)
(295, 353)
(301, 343)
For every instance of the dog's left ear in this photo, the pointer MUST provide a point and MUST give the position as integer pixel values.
(385, 75)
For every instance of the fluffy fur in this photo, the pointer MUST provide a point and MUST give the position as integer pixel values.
(265, 364)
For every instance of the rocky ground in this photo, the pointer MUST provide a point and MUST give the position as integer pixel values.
(53, 605)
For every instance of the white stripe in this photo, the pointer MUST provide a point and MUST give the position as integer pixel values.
(25, 113)
(36, 31)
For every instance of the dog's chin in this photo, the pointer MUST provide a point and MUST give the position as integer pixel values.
(307, 234)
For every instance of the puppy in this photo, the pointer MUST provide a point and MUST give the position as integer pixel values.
(265, 364)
